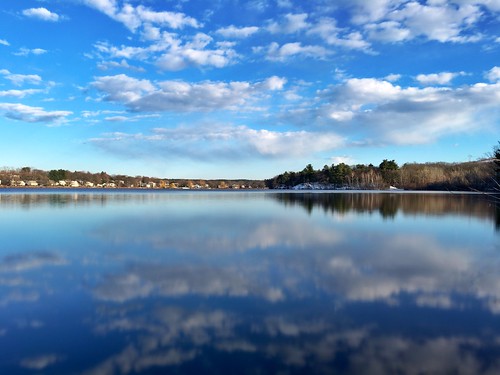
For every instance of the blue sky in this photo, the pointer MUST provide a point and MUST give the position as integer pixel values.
(246, 89)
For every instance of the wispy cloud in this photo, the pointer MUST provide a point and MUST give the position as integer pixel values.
(218, 142)
(27, 261)
(26, 51)
(40, 362)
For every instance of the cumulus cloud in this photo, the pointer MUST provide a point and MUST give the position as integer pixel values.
(181, 96)
(439, 21)
(122, 88)
(237, 32)
(386, 112)
(137, 17)
(181, 58)
(493, 74)
(275, 52)
(19, 93)
(442, 78)
(123, 64)
(388, 31)
(171, 53)
(21, 79)
(291, 23)
(327, 29)
(41, 14)
(21, 112)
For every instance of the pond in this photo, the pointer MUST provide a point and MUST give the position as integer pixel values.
(182, 282)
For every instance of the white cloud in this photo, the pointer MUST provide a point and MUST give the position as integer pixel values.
(137, 17)
(170, 19)
(122, 88)
(216, 142)
(388, 31)
(21, 79)
(116, 118)
(284, 4)
(41, 14)
(393, 77)
(327, 29)
(341, 115)
(3, 42)
(17, 111)
(170, 53)
(19, 93)
(443, 23)
(442, 78)
(291, 23)
(27, 51)
(275, 52)
(381, 112)
(181, 96)
(274, 83)
(27, 261)
(342, 159)
(235, 32)
(123, 64)
(40, 362)
(493, 74)
(368, 11)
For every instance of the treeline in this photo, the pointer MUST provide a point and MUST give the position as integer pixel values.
(478, 175)
(27, 176)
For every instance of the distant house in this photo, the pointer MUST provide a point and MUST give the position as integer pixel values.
(32, 183)
(61, 183)
(74, 184)
(89, 184)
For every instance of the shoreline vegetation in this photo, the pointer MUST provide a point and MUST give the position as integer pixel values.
(28, 177)
(481, 176)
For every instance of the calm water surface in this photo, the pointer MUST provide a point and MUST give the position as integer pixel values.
(129, 282)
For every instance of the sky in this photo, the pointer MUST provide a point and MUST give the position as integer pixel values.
(246, 89)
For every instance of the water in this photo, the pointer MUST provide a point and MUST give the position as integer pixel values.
(132, 282)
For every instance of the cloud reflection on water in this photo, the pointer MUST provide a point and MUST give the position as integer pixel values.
(190, 284)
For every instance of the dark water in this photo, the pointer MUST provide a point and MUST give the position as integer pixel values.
(248, 283)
